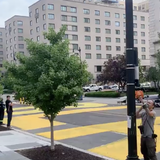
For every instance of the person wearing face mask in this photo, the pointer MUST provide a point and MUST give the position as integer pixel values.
(148, 137)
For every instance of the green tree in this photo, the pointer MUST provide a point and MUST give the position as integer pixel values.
(49, 78)
(152, 75)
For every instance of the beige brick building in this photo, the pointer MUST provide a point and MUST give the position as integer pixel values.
(16, 31)
(2, 46)
(98, 29)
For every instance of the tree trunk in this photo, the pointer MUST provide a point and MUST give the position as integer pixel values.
(52, 134)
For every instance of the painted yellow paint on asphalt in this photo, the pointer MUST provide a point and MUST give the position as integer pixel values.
(32, 122)
(121, 146)
(88, 105)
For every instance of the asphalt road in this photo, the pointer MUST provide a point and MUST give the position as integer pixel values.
(98, 125)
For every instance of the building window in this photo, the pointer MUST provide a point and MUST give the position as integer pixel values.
(88, 47)
(107, 22)
(143, 41)
(30, 23)
(0, 33)
(44, 17)
(7, 49)
(97, 13)
(143, 57)
(75, 46)
(50, 16)
(117, 24)
(73, 9)
(1, 52)
(87, 38)
(135, 33)
(37, 11)
(74, 28)
(20, 30)
(98, 47)
(21, 52)
(108, 39)
(64, 18)
(134, 17)
(14, 38)
(6, 41)
(98, 30)
(143, 34)
(107, 14)
(30, 14)
(86, 11)
(44, 27)
(52, 25)
(31, 31)
(118, 40)
(124, 32)
(117, 15)
(43, 7)
(135, 41)
(64, 8)
(20, 38)
(108, 56)
(15, 46)
(118, 32)
(108, 48)
(98, 39)
(88, 55)
(1, 58)
(108, 31)
(118, 48)
(74, 37)
(1, 40)
(124, 24)
(73, 19)
(1, 46)
(124, 16)
(143, 49)
(11, 48)
(21, 46)
(86, 20)
(98, 56)
(99, 68)
(37, 29)
(124, 40)
(87, 29)
(37, 19)
(142, 18)
(142, 26)
(50, 6)
(10, 40)
(65, 36)
(19, 23)
(97, 21)
(134, 25)
(38, 38)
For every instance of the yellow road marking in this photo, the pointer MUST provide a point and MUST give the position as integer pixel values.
(32, 122)
(23, 108)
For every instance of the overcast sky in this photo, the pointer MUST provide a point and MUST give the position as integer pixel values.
(9, 8)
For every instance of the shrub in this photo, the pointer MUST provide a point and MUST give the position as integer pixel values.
(7, 91)
(111, 94)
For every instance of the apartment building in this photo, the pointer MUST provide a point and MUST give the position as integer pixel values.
(154, 29)
(2, 46)
(16, 31)
(98, 29)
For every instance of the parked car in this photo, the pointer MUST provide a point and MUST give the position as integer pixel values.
(114, 87)
(92, 87)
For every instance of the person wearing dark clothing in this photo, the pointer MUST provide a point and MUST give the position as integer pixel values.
(9, 109)
(2, 107)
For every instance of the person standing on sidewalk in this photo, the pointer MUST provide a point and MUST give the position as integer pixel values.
(9, 107)
(148, 137)
(2, 107)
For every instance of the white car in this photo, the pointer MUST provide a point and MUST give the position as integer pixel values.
(92, 87)
(114, 87)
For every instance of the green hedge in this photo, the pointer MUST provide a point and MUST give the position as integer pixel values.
(152, 89)
(112, 94)
(7, 91)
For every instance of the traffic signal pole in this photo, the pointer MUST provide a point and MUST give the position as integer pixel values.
(130, 67)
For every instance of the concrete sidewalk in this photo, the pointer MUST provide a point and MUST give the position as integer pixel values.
(11, 141)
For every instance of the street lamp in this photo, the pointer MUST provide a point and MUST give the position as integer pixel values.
(130, 58)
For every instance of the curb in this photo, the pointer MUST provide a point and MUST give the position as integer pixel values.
(56, 142)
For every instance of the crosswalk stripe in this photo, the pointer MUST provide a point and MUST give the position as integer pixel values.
(32, 122)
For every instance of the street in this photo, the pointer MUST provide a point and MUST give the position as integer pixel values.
(98, 125)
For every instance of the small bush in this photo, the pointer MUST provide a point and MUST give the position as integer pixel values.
(7, 91)
(152, 89)
(111, 94)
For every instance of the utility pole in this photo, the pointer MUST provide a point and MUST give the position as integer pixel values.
(131, 109)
